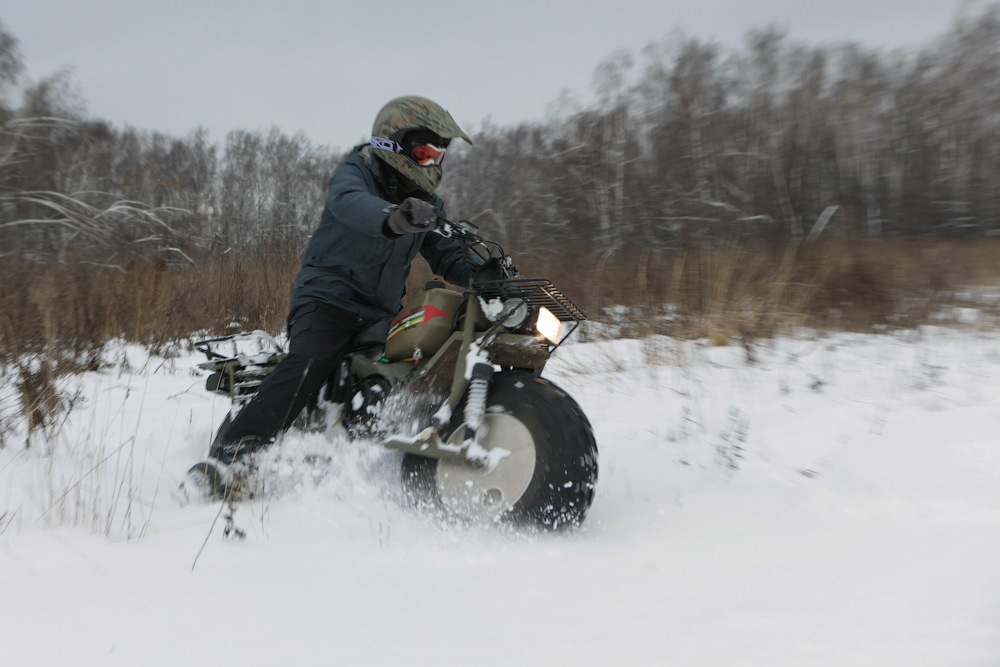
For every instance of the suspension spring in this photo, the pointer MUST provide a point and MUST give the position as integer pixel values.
(475, 404)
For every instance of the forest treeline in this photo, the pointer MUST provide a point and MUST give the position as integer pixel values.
(774, 139)
(708, 192)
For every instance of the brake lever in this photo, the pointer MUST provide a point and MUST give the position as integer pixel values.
(449, 229)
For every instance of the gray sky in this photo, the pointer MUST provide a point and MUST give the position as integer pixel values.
(325, 67)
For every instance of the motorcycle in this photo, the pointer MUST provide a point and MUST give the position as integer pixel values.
(455, 384)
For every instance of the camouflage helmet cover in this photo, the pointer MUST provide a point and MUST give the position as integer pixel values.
(409, 113)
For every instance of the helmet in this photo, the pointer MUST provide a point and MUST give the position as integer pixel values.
(415, 116)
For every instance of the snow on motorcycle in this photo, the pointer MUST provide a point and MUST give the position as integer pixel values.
(456, 385)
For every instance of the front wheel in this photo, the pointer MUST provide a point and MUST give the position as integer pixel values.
(544, 459)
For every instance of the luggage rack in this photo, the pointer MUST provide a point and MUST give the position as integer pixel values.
(535, 292)
(239, 363)
(249, 347)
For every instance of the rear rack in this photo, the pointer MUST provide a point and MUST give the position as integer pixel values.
(250, 347)
(535, 292)
(239, 363)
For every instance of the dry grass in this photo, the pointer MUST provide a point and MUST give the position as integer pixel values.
(55, 318)
(76, 307)
(750, 291)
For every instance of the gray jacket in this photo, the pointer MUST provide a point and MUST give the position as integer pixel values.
(352, 262)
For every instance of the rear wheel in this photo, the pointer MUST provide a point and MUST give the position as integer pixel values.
(543, 459)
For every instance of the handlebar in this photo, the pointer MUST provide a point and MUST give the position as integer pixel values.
(460, 230)
(463, 230)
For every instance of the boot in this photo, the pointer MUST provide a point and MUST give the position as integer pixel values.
(230, 452)
(214, 480)
(210, 480)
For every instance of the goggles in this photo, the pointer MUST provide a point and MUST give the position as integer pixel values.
(425, 154)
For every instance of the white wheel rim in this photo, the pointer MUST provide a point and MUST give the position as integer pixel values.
(488, 493)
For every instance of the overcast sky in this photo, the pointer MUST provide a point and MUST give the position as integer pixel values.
(325, 67)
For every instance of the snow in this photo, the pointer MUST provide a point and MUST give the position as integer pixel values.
(832, 500)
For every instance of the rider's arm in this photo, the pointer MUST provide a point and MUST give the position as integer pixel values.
(449, 259)
(352, 201)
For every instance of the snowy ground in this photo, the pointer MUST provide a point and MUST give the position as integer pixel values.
(836, 502)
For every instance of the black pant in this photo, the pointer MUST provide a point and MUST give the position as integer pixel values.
(319, 335)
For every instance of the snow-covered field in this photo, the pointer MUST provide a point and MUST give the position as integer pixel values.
(834, 502)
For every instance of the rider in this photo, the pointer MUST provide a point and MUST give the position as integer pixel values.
(380, 210)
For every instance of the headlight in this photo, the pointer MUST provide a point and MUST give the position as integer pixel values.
(548, 325)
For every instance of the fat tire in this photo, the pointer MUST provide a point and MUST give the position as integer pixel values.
(562, 485)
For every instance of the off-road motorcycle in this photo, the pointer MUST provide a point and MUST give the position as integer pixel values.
(455, 384)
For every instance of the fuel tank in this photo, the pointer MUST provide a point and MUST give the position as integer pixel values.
(421, 331)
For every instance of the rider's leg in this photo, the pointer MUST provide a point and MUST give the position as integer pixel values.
(318, 337)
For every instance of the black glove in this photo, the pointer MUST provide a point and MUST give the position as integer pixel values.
(413, 215)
